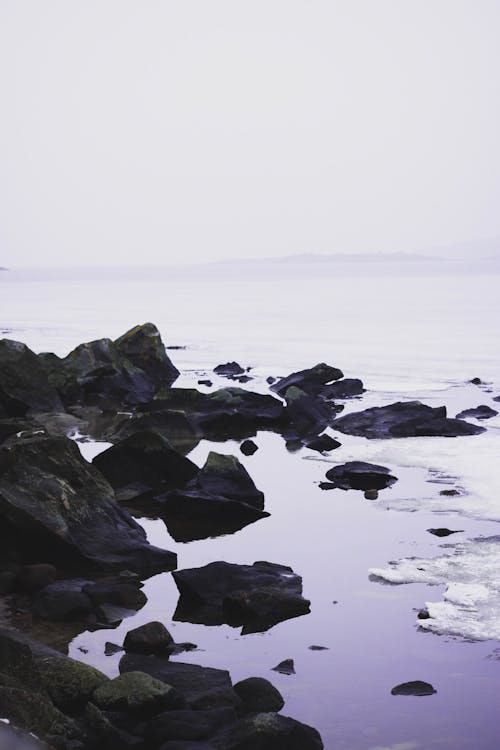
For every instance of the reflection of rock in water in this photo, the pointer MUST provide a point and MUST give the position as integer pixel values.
(255, 597)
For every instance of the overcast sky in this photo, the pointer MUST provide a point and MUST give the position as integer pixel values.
(182, 130)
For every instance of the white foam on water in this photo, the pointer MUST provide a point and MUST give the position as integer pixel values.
(471, 602)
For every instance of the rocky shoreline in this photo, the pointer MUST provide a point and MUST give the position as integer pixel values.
(73, 556)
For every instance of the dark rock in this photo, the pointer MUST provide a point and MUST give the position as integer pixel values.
(318, 648)
(479, 412)
(403, 419)
(285, 667)
(69, 683)
(187, 745)
(174, 426)
(137, 693)
(103, 734)
(371, 494)
(241, 378)
(187, 724)
(35, 713)
(443, 532)
(235, 413)
(110, 649)
(327, 486)
(323, 443)
(57, 507)
(270, 731)
(146, 461)
(115, 601)
(450, 493)
(496, 398)
(32, 578)
(221, 499)
(475, 381)
(306, 415)
(230, 368)
(254, 596)
(16, 425)
(258, 694)
(208, 383)
(345, 388)
(63, 601)
(270, 380)
(248, 447)
(202, 687)
(143, 347)
(7, 581)
(311, 381)
(151, 638)
(24, 385)
(359, 475)
(417, 687)
(423, 615)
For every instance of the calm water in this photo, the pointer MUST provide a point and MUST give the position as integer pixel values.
(420, 337)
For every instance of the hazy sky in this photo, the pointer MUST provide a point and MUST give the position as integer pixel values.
(165, 131)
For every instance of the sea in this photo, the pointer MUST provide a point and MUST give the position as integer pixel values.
(410, 330)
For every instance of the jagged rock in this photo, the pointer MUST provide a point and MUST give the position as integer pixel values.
(323, 443)
(271, 731)
(254, 596)
(403, 419)
(143, 347)
(137, 693)
(143, 462)
(359, 475)
(221, 499)
(202, 687)
(248, 447)
(479, 412)
(258, 694)
(286, 666)
(417, 687)
(24, 385)
(311, 381)
(229, 368)
(345, 388)
(175, 426)
(57, 507)
(151, 638)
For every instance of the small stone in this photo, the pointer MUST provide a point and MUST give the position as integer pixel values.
(371, 494)
(323, 443)
(318, 648)
(423, 615)
(208, 383)
(248, 447)
(258, 694)
(270, 380)
(443, 532)
(449, 493)
(285, 667)
(417, 688)
(111, 648)
(475, 381)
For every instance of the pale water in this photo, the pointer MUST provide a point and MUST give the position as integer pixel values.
(421, 336)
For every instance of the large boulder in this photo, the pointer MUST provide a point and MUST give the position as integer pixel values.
(255, 597)
(258, 694)
(403, 419)
(187, 725)
(359, 475)
(311, 381)
(143, 462)
(24, 385)
(221, 499)
(151, 638)
(142, 346)
(271, 731)
(69, 683)
(57, 507)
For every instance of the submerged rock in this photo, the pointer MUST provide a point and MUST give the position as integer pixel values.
(57, 507)
(24, 385)
(417, 687)
(404, 419)
(359, 475)
(479, 412)
(255, 597)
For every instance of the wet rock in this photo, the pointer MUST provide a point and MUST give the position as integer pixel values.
(417, 687)
(286, 666)
(359, 475)
(32, 578)
(306, 415)
(235, 412)
(137, 693)
(229, 368)
(311, 381)
(143, 462)
(323, 443)
(475, 381)
(270, 380)
(202, 687)
(57, 507)
(63, 601)
(371, 494)
(404, 419)
(327, 486)
(479, 412)
(69, 683)
(151, 638)
(496, 398)
(248, 447)
(242, 378)
(318, 648)
(24, 385)
(187, 724)
(35, 713)
(208, 383)
(423, 615)
(450, 493)
(115, 601)
(224, 476)
(255, 597)
(110, 649)
(443, 532)
(258, 694)
(345, 388)
(143, 347)
(174, 426)
(271, 731)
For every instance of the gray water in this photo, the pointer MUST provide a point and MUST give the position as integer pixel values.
(407, 336)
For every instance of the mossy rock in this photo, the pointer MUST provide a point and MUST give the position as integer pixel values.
(138, 693)
(33, 712)
(69, 683)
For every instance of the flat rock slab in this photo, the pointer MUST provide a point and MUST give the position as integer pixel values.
(359, 475)
(202, 687)
(255, 597)
(404, 419)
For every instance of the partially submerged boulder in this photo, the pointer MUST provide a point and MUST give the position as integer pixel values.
(271, 731)
(57, 507)
(403, 419)
(311, 381)
(479, 412)
(229, 368)
(258, 694)
(255, 597)
(142, 346)
(151, 638)
(360, 475)
(306, 416)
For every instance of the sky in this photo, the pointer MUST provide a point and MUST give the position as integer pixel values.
(160, 131)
